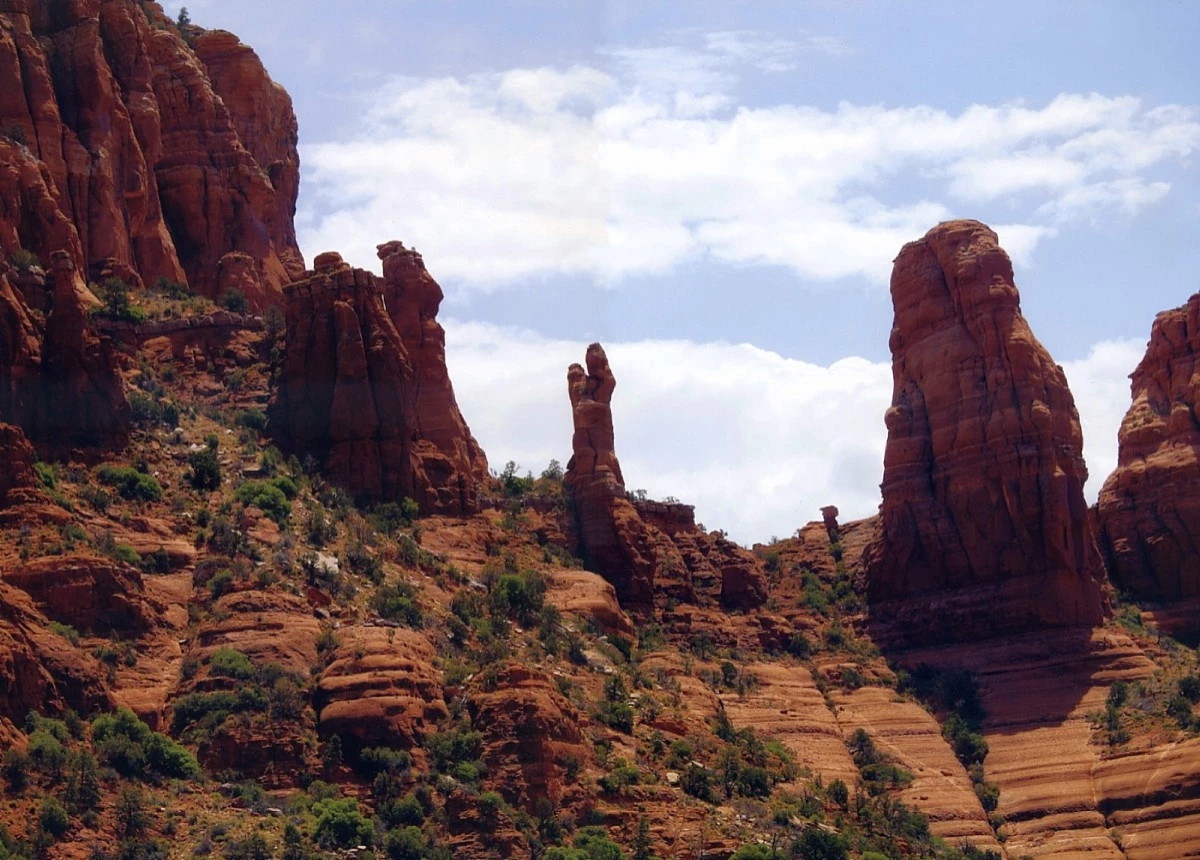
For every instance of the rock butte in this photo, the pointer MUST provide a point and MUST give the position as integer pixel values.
(374, 408)
(983, 526)
(1149, 508)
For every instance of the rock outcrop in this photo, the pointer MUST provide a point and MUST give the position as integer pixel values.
(649, 551)
(448, 452)
(983, 526)
(529, 731)
(1149, 508)
(348, 395)
(17, 478)
(59, 381)
(117, 147)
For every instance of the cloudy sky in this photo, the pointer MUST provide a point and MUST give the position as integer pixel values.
(716, 191)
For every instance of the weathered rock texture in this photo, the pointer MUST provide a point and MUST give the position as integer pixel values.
(117, 147)
(649, 551)
(983, 526)
(1149, 508)
(448, 452)
(17, 478)
(59, 381)
(350, 395)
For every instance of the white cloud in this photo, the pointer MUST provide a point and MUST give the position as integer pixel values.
(1100, 384)
(646, 160)
(757, 442)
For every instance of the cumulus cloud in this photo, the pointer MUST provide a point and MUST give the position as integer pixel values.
(757, 442)
(646, 159)
(1100, 384)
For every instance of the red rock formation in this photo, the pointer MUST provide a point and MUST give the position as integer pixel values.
(119, 151)
(262, 115)
(91, 594)
(647, 550)
(1149, 508)
(59, 383)
(448, 452)
(381, 688)
(40, 670)
(349, 395)
(984, 530)
(529, 731)
(17, 478)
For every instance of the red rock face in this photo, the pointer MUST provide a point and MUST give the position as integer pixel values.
(94, 595)
(128, 159)
(17, 478)
(349, 396)
(42, 368)
(448, 452)
(650, 552)
(1149, 508)
(529, 730)
(983, 527)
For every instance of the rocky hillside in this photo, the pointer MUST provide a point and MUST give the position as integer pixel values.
(260, 595)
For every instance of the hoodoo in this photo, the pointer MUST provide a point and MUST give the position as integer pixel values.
(651, 552)
(1149, 508)
(983, 526)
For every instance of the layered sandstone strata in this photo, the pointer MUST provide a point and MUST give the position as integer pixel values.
(1149, 508)
(117, 147)
(983, 526)
(350, 396)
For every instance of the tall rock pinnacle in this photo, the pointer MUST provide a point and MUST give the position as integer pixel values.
(983, 526)
(1149, 508)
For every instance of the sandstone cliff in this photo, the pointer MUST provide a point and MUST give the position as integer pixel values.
(1149, 508)
(650, 552)
(119, 149)
(983, 527)
(349, 395)
(59, 380)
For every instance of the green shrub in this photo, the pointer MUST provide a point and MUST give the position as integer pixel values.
(397, 602)
(697, 780)
(818, 844)
(234, 301)
(231, 663)
(755, 852)
(46, 476)
(52, 818)
(130, 483)
(267, 497)
(23, 259)
(66, 631)
(449, 747)
(132, 748)
(390, 516)
(339, 824)
(254, 419)
(114, 292)
(1189, 688)
(83, 783)
(204, 470)
(148, 409)
(519, 596)
(15, 767)
(490, 805)
(221, 583)
(211, 709)
(46, 753)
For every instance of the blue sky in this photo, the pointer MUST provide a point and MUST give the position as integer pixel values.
(716, 191)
